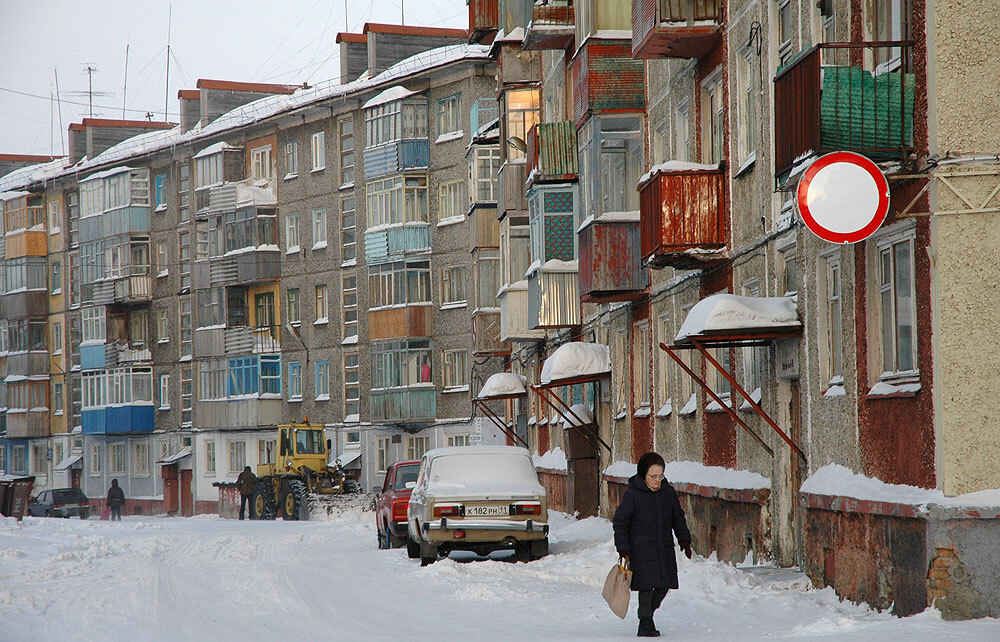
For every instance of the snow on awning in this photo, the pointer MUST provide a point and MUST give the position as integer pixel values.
(346, 458)
(222, 146)
(68, 462)
(397, 92)
(579, 415)
(114, 171)
(577, 360)
(504, 385)
(177, 456)
(732, 317)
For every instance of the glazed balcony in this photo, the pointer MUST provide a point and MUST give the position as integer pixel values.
(606, 78)
(682, 214)
(844, 96)
(486, 334)
(385, 242)
(554, 296)
(401, 322)
(552, 152)
(123, 221)
(243, 340)
(514, 322)
(552, 26)
(675, 28)
(611, 259)
(245, 266)
(395, 157)
(413, 404)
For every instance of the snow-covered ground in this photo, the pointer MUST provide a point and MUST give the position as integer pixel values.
(155, 578)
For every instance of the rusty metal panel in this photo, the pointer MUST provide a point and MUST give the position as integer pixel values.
(483, 14)
(796, 107)
(611, 261)
(682, 210)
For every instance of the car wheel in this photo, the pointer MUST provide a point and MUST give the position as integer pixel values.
(428, 554)
(84, 515)
(380, 537)
(294, 501)
(48, 513)
(412, 548)
(539, 549)
(262, 504)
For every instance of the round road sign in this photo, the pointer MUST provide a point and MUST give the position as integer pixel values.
(843, 197)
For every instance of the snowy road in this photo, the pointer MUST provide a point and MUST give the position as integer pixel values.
(158, 578)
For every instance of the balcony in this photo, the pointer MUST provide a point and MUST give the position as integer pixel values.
(28, 364)
(682, 214)
(486, 334)
(511, 184)
(210, 342)
(606, 78)
(137, 288)
(23, 424)
(611, 259)
(241, 340)
(554, 296)
(675, 28)
(416, 403)
(828, 99)
(118, 419)
(246, 266)
(230, 196)
(249, 412)
(395, 157)
(484, 228)
(401, 322)
(516, 66)
(123, 221)
(384, 243)
(551, 27)
(514, 321)
(483, 18)
(483, 112)
(24, 303)
(553, 276)
(552, 152)
(26, 243)
(121, 353)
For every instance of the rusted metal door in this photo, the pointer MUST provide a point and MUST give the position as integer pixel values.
(187, 499)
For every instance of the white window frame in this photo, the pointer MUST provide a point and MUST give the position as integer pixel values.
(416, 446)
(291, 159)
(449, 114)
(641, 383)
(904, 233)
(260, 163)
(317, 145)
(164, 387)
(319, 228)
(210, 458)
(453, 286)
(322, 304)
(118, 459)
(456, 369)
(292, 239)
(450, 202)
(830, 284)
(140, 459)
(747, 106)
(96, 463)
(295, 381)
(382, 445)
(236, 450)
(713, 148)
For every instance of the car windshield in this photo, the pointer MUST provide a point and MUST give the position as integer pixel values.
(68, 496)
(406, 474)
(483, 468)
(309, 442)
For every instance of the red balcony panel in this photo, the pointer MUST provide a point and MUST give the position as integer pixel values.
(552, 27)
(483, 18)
(675, 28)
(680, 211)
(607, 79)
(611, 260)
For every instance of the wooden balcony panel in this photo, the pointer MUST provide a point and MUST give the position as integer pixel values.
(516, 66)
(486, 335)
(611, 262)
(514, 322)
(675, 28)
(682, 211)
(552, 152)
(27, 243)
(24, 425)
(484, 228)
(483, 15)
(511, 183)
(551, 27)
(402, 321)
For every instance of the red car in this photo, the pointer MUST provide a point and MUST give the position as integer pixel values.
(390, 504)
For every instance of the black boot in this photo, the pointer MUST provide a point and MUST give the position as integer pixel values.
(646, 628)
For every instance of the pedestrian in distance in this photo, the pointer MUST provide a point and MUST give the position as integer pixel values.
(247, 484)
(116, 501)
(647, 518)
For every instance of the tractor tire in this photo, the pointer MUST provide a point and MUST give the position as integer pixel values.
(412, 548)
(262, 502)
(294, 501)
(351, 486)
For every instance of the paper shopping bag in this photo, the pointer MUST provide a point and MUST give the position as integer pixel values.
(618, 588)
(106, 514)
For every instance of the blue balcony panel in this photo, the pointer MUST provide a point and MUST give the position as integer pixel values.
(118, 419)
(385, 244)
(396, 157)
(92, 357)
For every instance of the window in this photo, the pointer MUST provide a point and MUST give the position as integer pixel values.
(352, 389)
(211, 379)
(722, 386)
(162, 325)
(790, 282)
(187, 390)
(55, 216)
(264, 310)
(184, 243)
(210, 457)
(453, 285)
(753, 357)
(747, 106)
(318, 151)
(682, 133)
(260, 163)
(400, 363)
(57, 338)
(164, 401)
(349, 293)
(322, 381)
(830, 284)
(487, 277)
(291, 159)
(829, 27)
(348, 232)
(140, 459)
(456, 371)
(382, 453)
(319, 229)
(484, 170)
(210, 312)
(270, 374)
(346, 129)
(117, 466)
(661, 383)
(161, 259)
(185, 325)
(522, 113)
(237, 457)
(292, 233)
(399, 283)
(891, 24)
(896, 310)
(687, 356)
(294, 312)
(93, 324)
(208, 170)
(396, 200)
(712, 150)
(416, 447)
(295, 380)
(449, 115)
(57, 398)
(95, 459)
(458, 440)
(322, 305)
(450, 201)
(641, 364)
(183, 185)
(396, 120)
(786, 30)
(160, 192)
(245, 229)
(243, 377)
(265, 450)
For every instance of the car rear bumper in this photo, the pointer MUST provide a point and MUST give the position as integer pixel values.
(512, 526)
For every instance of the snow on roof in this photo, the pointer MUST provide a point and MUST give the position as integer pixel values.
(576, 359)
(620, 469)
(580, 415)
(554, 459)
(692, 472)
(345, 458)
(68, 461)
(463, 450)
(177, 456)
(9, 196)
(221, 146)
(721, 312)
(114, 171)
(24, 176)
(392, 93)
(838, 481)
(504, 384)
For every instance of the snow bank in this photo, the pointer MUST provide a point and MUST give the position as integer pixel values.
(692, 472)
(622, 469)
(504, 383)
(554, 459)
(576, 359)
(732, 312)
(838, 481)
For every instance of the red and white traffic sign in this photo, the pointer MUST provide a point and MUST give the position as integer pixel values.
(843, 197)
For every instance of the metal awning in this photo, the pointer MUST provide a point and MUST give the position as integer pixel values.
(346, 458)
(502, 386)
(726, 321)
(68, 462)
(176, 457)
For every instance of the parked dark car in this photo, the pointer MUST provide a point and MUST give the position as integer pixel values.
(391, 502)
(60, 502)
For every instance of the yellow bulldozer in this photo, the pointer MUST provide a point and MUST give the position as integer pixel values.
(300, 470)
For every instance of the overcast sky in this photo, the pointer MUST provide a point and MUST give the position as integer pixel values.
(283, 41)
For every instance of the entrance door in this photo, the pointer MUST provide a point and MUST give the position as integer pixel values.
(187, 499)
(74, 477)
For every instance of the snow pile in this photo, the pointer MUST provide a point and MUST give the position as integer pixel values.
(838, 481)
(503, 384)
(733, 312)
(389, 95)
(576, 359)
(621, 469)
(692, 472)
(579, 415)
(554, 459)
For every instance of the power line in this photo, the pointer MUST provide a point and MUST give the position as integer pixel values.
(73, 102)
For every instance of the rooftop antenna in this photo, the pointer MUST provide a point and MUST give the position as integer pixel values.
(55, 71)
(90, 70)
(166, 95)
(52, 117)
(402, 18)
(125, 82)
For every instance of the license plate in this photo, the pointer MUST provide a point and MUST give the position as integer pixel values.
(487, 511)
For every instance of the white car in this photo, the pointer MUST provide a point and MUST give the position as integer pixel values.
(480, 499)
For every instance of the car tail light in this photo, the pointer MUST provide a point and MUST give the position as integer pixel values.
(447, 510)
(399, 510)
(532, 508)
(85, 503)
(459, 534)
(57, 505)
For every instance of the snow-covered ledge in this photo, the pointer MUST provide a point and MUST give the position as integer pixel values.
(694, 478)
(553, 460)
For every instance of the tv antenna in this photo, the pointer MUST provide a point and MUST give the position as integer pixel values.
(90, 70)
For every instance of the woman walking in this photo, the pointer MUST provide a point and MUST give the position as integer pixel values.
(646, 520)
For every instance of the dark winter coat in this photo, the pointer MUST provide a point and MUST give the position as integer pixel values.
(116, 497)
(247, 483)
(643, 524)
